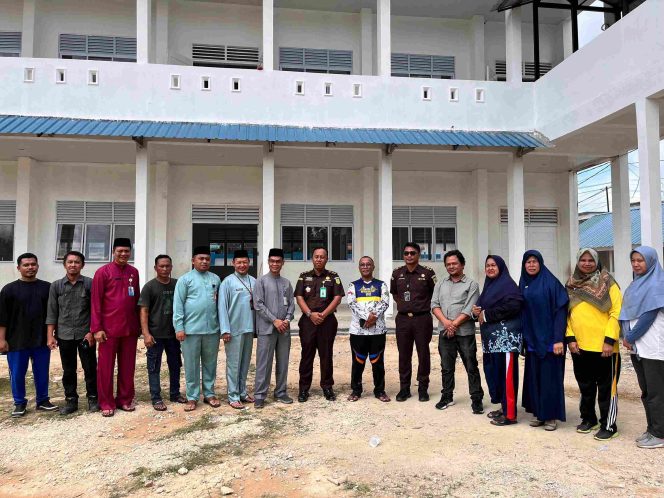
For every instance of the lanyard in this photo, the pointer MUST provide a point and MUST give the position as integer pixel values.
(244, 285)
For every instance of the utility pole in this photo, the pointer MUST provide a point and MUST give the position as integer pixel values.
(606, 190)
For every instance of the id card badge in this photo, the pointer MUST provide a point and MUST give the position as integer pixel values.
(323, 292)
(406, 296)
(131, 291)
(285, 301)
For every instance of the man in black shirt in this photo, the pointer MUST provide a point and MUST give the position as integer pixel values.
(156, 304)
(23, 333)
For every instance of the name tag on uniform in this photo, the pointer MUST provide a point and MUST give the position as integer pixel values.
(131, 291)
(323, 292)
(406, 296)
(285, 301)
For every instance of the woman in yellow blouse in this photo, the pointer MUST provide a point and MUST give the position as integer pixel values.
(592, 336)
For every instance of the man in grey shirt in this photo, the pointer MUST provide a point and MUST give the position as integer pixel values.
(68, 324)
(452, 303)
(275, 307)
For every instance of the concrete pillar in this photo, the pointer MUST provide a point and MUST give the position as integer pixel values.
(268, 35)
(161, 35)
(267, 208)
(142, 217)
(368, 211)
(566, 28)
(143, 30)
(478, 62)
(385, 219)
(573, 210)
(366, 21)
(647, 128)
(622, 222)
(23, 230)
(160, 220)
(28, 29)
(514, 54)
(516, 227)
(384, 47)
(481, 181)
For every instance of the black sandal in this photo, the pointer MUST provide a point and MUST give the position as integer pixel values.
(494, 414)
(501, 420)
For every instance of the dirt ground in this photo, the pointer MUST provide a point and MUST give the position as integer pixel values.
(321, 448)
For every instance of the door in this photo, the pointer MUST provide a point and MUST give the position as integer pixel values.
(539, 237)
(224, 240)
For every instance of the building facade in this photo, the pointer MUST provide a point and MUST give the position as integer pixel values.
(356, 125)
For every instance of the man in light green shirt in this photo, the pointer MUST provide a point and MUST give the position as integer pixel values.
(196, 325)
(237, 320)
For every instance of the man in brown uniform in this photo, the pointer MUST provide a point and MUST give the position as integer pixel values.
(318, 293)
(412, 287)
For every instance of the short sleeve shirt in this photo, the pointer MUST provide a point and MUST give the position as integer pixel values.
(158, 299)
(318, 291)
(23, 311)
(412, 291)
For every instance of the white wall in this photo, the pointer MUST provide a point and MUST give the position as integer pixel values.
(8, 172)
(11, 15)
(434, 36)
(83, 17)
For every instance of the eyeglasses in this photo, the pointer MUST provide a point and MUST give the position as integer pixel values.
(363, 265)
(409, 253)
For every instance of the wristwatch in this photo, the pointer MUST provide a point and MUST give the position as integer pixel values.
(308, 313)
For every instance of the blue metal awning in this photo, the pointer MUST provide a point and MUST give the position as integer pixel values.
(39, 125)
(598, 231)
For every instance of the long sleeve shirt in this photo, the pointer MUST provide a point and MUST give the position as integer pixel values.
(114, 300)
(591, 328)
(236, 315)
(195, 303)
(365, 298)
(69, 308)
(456, 298)
(273, 300)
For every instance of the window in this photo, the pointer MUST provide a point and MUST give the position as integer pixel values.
(307, 227)
(98, 48)
(432, 227)
(7, 220)
(225, 56)
(90, 227)
(10, 44)
(423, 66)
(311, 60)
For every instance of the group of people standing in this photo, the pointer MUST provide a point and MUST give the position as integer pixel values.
(187, 319)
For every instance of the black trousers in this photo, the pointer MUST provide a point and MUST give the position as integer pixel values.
(368, 348)
(466, 347)
(88, 356)
(595, 375)
(317, 338)
(650, 374)
(416, 330)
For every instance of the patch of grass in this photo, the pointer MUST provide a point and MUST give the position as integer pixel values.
(204, 423)
(360, 488)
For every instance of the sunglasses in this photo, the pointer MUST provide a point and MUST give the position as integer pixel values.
(410, 253)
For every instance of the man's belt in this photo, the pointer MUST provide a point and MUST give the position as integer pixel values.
(415, 313)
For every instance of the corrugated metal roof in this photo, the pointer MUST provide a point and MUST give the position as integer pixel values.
(598, 230)
(39, 125)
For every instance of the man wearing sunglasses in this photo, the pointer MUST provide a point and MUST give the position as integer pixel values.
(412, 287)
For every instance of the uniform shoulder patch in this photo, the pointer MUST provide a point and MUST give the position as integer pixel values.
(333, 273)
(429, 268)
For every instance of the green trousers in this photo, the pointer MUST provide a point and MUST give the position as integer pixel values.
(238, 358)
(197, 350)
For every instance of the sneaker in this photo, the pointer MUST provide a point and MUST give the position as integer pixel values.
(605, 435)
(403, 395)
(643, 437)
(46, 406)
(71, 406)
(285, 399)
(651, 442)
(444, 403)
(477, 407)
(586, 427)
(20, 410)
(93, 405)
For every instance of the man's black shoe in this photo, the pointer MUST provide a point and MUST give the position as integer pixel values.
(423, 396)
(477, 407)
(403, 395)
(444, 403)
(20, 410)
(46, 406)
(259, 404)
(71, 406)
(303, 396)
(93, 405)
(329, 394)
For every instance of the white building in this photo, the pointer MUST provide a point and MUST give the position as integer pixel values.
(150, 119)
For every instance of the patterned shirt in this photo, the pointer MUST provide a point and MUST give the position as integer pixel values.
(365, 298)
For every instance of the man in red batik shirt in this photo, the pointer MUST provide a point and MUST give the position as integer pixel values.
(115, 325)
